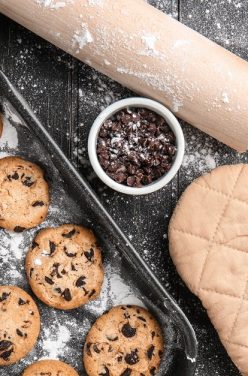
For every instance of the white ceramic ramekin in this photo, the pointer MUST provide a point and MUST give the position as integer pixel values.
(143, 103)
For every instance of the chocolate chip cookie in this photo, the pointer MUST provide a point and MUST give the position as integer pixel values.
(64, 266)
(125, 341)
(19, 324)
(24, 194)
(49, 367)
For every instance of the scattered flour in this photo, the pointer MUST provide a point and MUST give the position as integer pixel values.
(9, 138)
(115, 291)
(11, 256)
(176, 105)
(121, 293)
(55, 339)
(149, 40)
(201, 156)
(52, 4)
(10, 113)
(192, 360)
(225, 97)
(82, 38)
(210, 162)
(106, 62)
(96, 2)
(181, 43)
(201, 159)
(15, 243)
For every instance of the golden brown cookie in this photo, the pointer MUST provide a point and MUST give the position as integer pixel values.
(24, 194)
(64, 266)
(49, 367)
(125, 341)
(19, 324)
(1, 124)
(208, 237)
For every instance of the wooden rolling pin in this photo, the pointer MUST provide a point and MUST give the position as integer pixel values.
(151, 53)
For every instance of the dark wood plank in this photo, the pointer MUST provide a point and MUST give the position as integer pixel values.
(42, 73)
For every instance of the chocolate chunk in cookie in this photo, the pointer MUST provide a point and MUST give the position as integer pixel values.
(58, 267)
(128, 331)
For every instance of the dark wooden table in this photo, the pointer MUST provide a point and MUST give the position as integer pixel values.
(67, 95)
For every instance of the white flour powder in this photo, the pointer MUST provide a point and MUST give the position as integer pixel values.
(150, 40)
(96, 2)
(225, 97)
(55, 339)
(115, 291)
(83, 37)
(52, 4)
(181, 43)
(176, 105)
(9, 137)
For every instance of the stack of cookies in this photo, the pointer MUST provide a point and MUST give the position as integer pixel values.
(64, 269)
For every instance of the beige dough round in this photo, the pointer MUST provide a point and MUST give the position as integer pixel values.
(49, 367)
(19, 324)
(64, 266)
(126, 340)
(208, 237)
(24, 194)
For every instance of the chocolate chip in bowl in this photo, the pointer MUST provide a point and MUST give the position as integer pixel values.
(136, 146)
